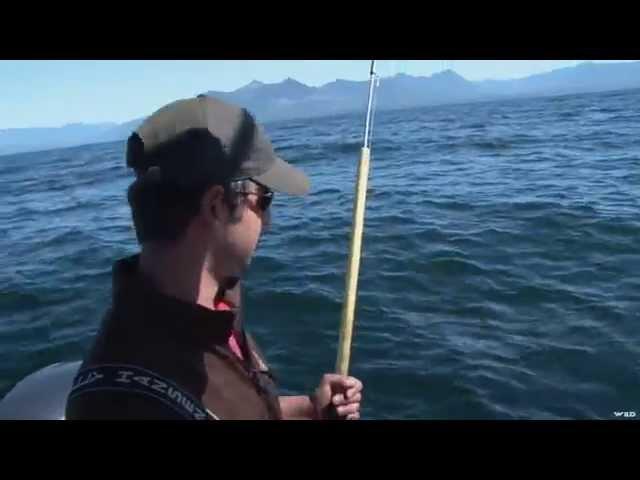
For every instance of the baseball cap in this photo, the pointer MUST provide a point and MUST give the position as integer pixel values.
(207, 139)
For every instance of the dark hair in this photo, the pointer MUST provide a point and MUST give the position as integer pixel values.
(170, 184)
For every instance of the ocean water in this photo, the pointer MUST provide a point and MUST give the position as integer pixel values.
(500, 276)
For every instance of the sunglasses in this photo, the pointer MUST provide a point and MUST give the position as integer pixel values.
(264, 198)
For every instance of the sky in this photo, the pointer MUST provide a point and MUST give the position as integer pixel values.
(50, 93)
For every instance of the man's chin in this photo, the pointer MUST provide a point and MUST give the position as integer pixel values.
(230, 282)
(236, 274)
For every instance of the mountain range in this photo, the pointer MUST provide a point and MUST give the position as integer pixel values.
(291, 99)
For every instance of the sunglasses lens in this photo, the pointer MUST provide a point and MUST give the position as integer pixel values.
(265, 201)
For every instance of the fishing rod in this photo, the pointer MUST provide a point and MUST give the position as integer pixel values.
(353, 265)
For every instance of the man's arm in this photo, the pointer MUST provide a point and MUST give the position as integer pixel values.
(297, 407)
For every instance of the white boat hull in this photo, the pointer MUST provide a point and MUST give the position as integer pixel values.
(41, 395)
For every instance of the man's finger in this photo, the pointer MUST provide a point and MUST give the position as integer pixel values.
(340, 380)
(338, 400)
(353, 416)
(345, 410)
(357, 398)
(354, 391)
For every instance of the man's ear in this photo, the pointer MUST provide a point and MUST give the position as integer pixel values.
(212, 204)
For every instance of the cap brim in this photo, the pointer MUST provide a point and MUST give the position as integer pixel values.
(285, 178)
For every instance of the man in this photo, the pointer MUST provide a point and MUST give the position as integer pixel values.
(172, 346)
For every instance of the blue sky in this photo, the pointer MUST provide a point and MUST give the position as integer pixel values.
(53, 93)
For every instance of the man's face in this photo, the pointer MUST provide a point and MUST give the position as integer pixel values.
(241, 229)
